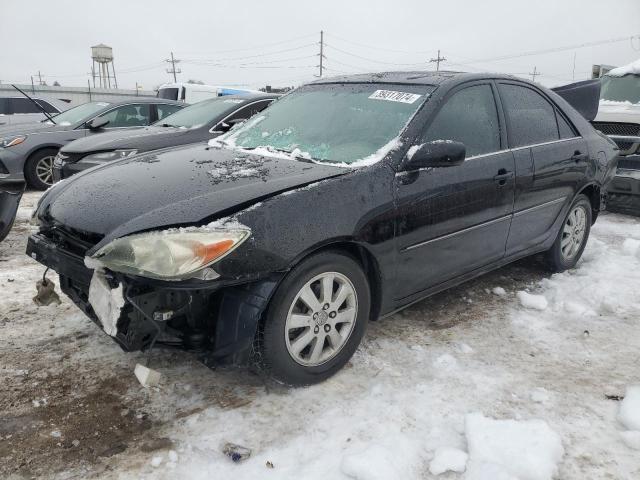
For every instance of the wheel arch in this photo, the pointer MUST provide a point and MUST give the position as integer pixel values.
(592, 192)
(363, 256)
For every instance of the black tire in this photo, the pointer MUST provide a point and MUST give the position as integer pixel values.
(556, 259)
(277, 361)
(31, 168)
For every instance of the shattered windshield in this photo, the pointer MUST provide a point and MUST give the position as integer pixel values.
(621, 89)
(351, 124)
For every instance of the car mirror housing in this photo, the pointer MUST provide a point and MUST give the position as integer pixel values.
(224, 127)
(97, 123)
(440, 153)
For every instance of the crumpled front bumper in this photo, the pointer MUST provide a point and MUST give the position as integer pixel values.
(219, 320)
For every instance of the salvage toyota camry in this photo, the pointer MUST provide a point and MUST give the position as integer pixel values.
(345, 201)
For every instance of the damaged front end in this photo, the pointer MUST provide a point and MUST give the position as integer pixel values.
(216, 318)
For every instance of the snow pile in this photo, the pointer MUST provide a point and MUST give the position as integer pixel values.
(448, 459)
(510, 449)
(632, 68)
(501, 292)
(629, 414)
(373, 463)
(528, 300)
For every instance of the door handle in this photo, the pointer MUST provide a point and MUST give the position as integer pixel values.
(502, 177)
(579, 157)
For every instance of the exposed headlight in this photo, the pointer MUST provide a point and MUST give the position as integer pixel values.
(170, 255)
(109, 156)
(7, 142)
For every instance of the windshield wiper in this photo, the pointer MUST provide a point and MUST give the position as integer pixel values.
(40, 107)
(168, 125)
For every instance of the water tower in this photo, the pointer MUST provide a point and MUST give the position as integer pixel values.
(102, 57)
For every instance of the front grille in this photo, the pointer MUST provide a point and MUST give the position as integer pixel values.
(3, 169)
(612, 128)
(72, 241)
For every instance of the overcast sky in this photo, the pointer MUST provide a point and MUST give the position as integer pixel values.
(254, 43)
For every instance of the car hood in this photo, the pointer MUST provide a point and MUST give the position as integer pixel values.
(147, 138)
(29, 128)
(189, 185)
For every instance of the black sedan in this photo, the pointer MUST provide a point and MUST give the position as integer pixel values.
(27, 151)
(196, 123)
(345, 201)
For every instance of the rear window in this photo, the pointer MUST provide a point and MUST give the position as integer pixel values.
(531, 118)
(168, 93)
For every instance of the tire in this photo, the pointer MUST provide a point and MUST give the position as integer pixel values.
(34, 169)
(572, 237)
(306, 327)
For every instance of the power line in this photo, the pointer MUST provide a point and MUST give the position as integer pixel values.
(253, 56)
(369, 59)
(254, 48)
(557, 49)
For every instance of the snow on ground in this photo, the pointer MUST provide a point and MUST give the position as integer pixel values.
(525, 392)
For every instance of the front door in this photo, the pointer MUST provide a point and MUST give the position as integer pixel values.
(452, 220)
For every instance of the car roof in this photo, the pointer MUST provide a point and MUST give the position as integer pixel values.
(134, 99)
(251, 96)
(414, 77)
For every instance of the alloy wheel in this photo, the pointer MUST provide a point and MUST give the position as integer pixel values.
(44, 170)
(321, 319)
(573, 232)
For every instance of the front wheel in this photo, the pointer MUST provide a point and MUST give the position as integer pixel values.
(316, 319)
(573, 236)
(38, 169)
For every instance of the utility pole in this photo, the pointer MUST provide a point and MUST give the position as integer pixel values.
(33, 88)
(173, 69)
(321, 51)
(574, 67)
(534, 74)
(40, 82)
(437, 61)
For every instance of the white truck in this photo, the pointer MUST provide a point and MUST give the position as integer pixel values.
(619, 118)
(196, 92)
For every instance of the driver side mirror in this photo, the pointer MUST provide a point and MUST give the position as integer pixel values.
(224, 127)
(97, 123)
(439, 153)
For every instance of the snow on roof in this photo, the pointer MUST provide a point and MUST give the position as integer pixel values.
(632, 68)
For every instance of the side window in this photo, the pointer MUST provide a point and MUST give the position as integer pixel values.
(128, 116)
(469, 116)
(531, 118)
(566, 130)
(4, 106)
(22, 105)
(166, 110)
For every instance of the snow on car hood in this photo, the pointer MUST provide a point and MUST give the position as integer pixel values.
(171, 188)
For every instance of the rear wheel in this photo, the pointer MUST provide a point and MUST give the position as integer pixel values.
(38, 170)
(573, 236)
(316, 319)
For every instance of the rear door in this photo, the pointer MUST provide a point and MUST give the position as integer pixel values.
(551, 159)
(453, 220)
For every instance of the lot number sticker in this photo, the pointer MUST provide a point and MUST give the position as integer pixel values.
(393, 96)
